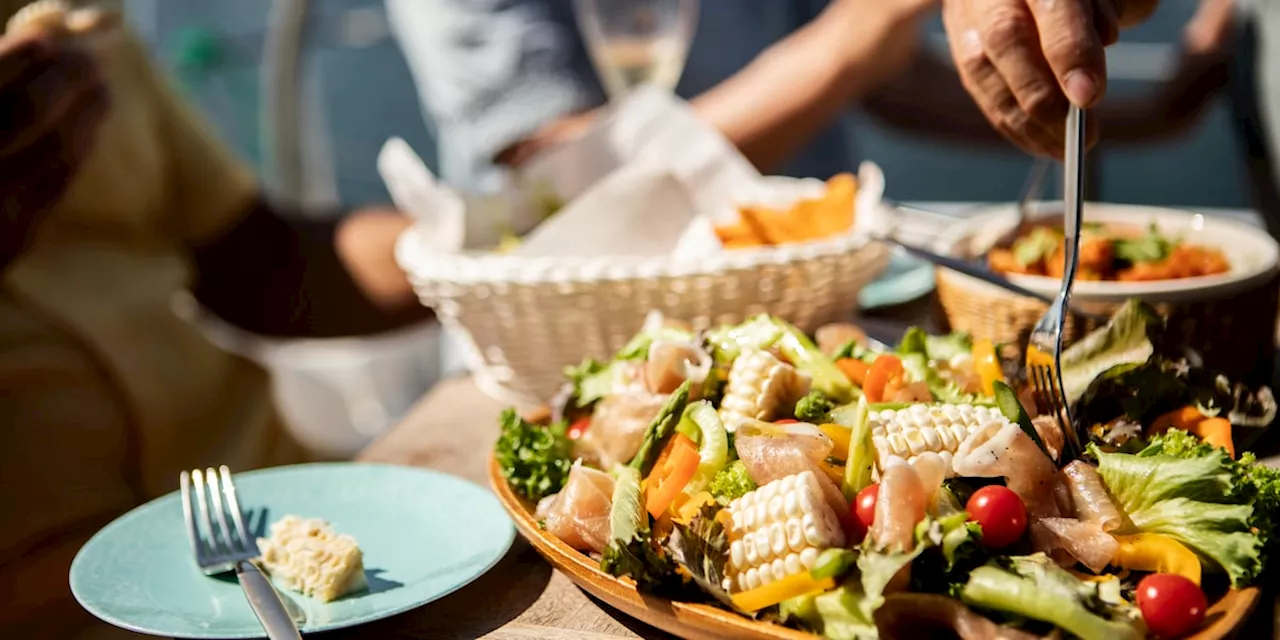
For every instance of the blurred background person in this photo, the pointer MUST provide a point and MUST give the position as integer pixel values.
(116, 201)
(503, 81)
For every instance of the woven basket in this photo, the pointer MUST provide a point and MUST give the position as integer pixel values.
(1233, 327)
(525, 319)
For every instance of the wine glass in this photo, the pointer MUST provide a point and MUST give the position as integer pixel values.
(635, 42)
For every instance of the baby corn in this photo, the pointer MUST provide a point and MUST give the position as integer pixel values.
(760, 387)
(920, 429)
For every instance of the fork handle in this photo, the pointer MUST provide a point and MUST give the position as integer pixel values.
(266, 603)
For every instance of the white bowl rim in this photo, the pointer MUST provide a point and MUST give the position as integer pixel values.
(1261, 264)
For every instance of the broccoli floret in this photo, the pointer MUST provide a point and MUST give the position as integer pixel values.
(814, 408)
(732, 482)
(535, 460)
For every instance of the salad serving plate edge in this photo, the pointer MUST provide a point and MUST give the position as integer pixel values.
(695, 621)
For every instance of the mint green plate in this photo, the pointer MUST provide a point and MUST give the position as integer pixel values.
(905, 279)
(424, 535)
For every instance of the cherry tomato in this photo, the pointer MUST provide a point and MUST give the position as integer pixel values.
(578, 428)
(1001, 514)
(1172, 605)
(864, 506)
(786, 421)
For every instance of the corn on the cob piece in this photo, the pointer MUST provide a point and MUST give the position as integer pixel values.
(925, 429)
(778, 531)
(760, 387)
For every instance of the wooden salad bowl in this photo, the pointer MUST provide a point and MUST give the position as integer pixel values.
(705, 622)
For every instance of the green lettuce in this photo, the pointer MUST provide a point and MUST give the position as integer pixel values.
(535, 460)
(1128, 338)
(1191, 500)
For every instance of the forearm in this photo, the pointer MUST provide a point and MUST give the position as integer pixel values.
(280, 274)
(793, 91)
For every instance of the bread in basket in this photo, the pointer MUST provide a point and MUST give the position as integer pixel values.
(523, 320)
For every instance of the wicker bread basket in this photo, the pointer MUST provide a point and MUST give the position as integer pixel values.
(1229, 319)
(523, 320)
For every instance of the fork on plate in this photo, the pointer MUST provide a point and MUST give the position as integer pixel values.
(1044, 348)
(220, 549)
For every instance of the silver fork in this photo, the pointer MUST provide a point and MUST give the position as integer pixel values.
(1043, 369)
(219, 549)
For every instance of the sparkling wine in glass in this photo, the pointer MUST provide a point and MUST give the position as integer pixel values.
(635, 42)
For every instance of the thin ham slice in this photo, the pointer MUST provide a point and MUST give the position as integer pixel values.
(619, 420)
(1005, 451)
(1093, 503)
(899, 508)
(771, 452)
(669, 364)
(1081, 541)
(579, 514)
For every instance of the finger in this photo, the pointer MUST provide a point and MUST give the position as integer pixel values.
(33, 106)
(1012, 43)
(1070, 44)
(988, 87)
(19, 55)
(1106, 21)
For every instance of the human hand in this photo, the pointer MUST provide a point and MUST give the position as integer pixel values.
(1025, 61)
(52, 101)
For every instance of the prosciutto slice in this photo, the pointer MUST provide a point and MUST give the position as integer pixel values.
(1081, 541)
(899, 508)
(619, 421)
(579, 514)
(669, 364)
(770, 452)
(1005, 451)
(1093, 503)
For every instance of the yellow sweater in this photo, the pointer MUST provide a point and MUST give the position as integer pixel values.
(105, 392)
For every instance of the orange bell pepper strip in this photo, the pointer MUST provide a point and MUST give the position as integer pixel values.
(673, 470)
(1217, 432)
(800, 584)
(840, 436)
(1183, 419)
(854, 369)
(885, 372)
(987, 365)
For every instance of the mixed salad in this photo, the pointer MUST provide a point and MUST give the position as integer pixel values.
(860, 491)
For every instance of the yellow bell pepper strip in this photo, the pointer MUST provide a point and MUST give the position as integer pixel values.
(854, 369)
(1217, 432)
(673, 470)
(986, 365)
(800, 584)
(833, 471)
(1157, 553)
(689, 507)
(839, 435)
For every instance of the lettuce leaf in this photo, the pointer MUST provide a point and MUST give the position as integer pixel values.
(1128, 338)
(1191, 500)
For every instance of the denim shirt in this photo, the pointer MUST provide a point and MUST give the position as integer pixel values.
(491, 72)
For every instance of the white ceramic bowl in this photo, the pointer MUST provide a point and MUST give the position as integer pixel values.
(1253, 255)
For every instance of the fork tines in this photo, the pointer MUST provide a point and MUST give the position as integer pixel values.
(216, 545)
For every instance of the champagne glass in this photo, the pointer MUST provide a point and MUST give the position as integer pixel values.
(635, 42)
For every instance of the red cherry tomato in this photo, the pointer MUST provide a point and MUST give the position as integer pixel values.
(1172, 605)
(864, 506)
(786, 421)
(1001, 514)
(578, 428)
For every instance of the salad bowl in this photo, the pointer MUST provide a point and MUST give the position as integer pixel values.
(704, 622)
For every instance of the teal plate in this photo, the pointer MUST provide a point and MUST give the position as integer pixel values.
(905, 279)
(424, 535)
